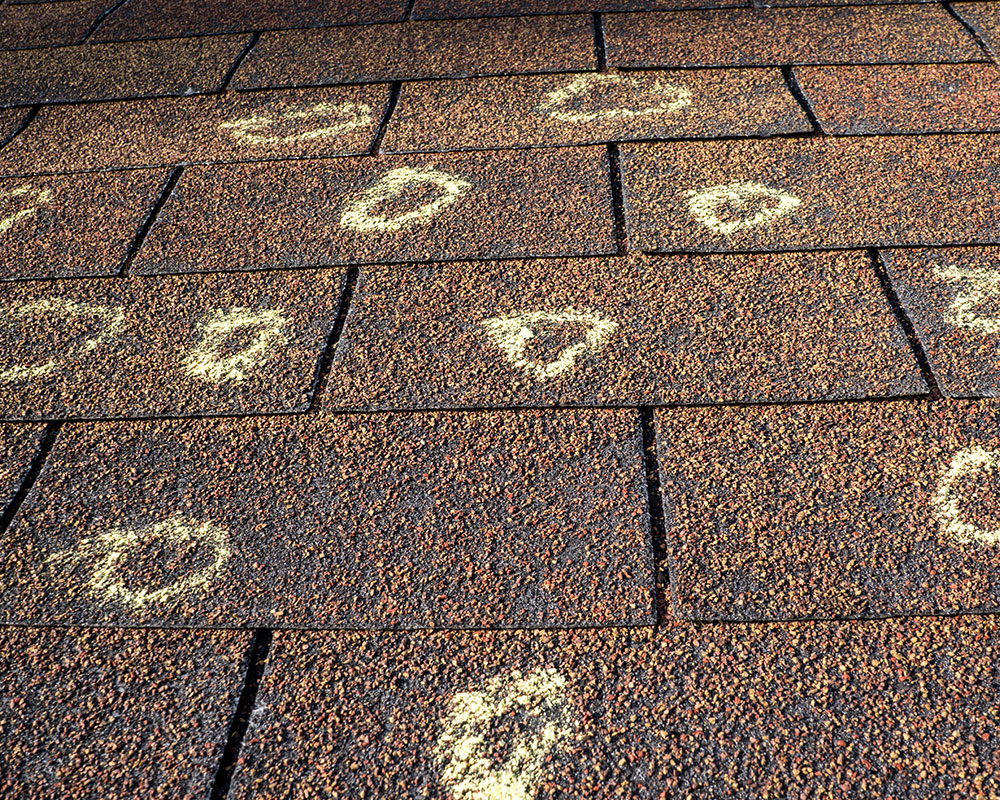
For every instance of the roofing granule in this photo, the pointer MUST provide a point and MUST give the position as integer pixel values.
(452, 48)
(586, 108)
(529, 519)
(431, 9)
(385, 209)
(892, 708)
(984, 17)
(164, 345)
(231, 127)
(636, 331)
(65, 22)
(849, 510)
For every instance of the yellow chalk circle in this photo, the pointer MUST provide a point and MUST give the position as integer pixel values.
(112, 321)
(464, 752)
(107, 553)
(513, 333)
(37, 197)
(977, 286)
(360, 214)
(669, 98)
(331, 119)
(705, 205)
(947, 500)
(206, 360)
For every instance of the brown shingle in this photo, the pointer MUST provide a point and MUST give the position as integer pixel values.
(984, 17)
(65, 22)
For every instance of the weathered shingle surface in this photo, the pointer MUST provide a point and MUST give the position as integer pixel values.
(499, 400)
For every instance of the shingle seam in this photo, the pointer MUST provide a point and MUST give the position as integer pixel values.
(228, 78)
(326, 359)
(100, 20)
(390, 106)
(905, 323)
(260, 648)
(408, 13)
(973, 31)
(165, 192)
(600, 45)
(792, 81)
(32, 113)
(654, 510)
(618, 199)
(30, 476)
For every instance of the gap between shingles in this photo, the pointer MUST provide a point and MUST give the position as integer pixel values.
(394, 92)
(654, 509)
(34, 469)
(260, 648)
(165, 192)
(254, 38)
(408, 13)
(618, 199)
(100, 20)
(904, 322)
(326, 360)
(973, 31)
(600, 45)
(792, 82)
(24, 124)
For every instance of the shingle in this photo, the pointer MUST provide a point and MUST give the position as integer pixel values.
(65, 22)
(386, 209)
(436, 9)
(174, 130)
(498, 519)
(149, 19)
(984, 17)
(10, 120)
(641, 331)
(72, 225)
(878, 709)
(812, 193)
(164, 346)
(109, 71)
(98, 713)
(952, 296)
(864, 509)
(18, 446)
(585, 108)
(419, 50)
(903, 99)
(758, 37)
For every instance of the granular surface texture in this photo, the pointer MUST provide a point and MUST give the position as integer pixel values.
(585, 108)
(386, 209)
(453, 48)
(108, 71)
(841, 510)
(641, 331)
(757, 37)
(812, 193)
(953, 297)
(65, 22)
(430, 9)
(10, 120)
(888, 708)
(492, 519)
(144, 712)
(18, 445)
(145, 19)
(164, 346)
(174, 130)
(69, 225)
(984, 17)
(903, 98)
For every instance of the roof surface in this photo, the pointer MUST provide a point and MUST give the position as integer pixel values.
(499, 400)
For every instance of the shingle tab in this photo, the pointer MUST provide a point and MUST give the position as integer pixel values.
(812, 193)
(18, 446)
(164, 346)
(952, 296)
(10, 120)
(641, 331)
(386, 209)
(936, 98)
(438, 9)
(419, 50)
(109, 71)
(585, 108)
(760, 37)
(832, 510)
(147, 19)
(174, 130)
(65, 22)
(984, 17)
(876, 709)
(498, 519)
(98, 713)
(72, 225)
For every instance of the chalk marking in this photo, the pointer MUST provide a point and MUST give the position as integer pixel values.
(42, 197)
(553, 105)
(109, 550)
(204, 361)
(947, 500)
(979, 285)
(468, 770)
(704, 205)
(513, 333)
(359, 213)
(113, 319)
(351, 116)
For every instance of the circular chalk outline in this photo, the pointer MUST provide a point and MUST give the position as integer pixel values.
(357, 214)
(552, 102)
(241, 128)
(202, 360)
(43, 196)
(947, 501)
(703, 203)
